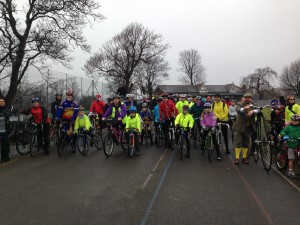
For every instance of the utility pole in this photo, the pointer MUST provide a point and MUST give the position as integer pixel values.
(66, 81)
(93, 86)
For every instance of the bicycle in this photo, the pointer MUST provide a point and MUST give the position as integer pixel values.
(281, 157)
(159, 135)
(114, 136)
(64, 136)
(196, 133)
(94, 118)
(263, 142)
(209, 145)
(84, 141)
(131, 144)
(171, 135)
(181, 146)
(219, 135)
(23, 139)
(145, 132)
(53, 136)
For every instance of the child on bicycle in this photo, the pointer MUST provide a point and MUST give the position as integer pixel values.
(134, 122)
(291, 131)
(186, 121)
(82, 121)
(147, 121)
(208, 122)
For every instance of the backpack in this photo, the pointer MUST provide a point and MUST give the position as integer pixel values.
(213, 105)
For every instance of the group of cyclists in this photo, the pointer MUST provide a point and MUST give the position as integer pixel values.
(183, 112)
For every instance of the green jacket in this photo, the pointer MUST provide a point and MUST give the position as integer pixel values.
(180, 104)
(242, 121)
(294, 132)
(134, 122)
(84, 122)
(196, 110)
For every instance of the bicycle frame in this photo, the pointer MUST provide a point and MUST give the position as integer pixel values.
(94, 118)
(118, 134)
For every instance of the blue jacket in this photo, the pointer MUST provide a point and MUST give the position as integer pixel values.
(68, 110)
(156, 115)
(146, 114)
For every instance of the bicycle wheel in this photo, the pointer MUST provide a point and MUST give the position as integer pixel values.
(23, 143)
(266, 149)
(209, 148)
(195, 136)
(281, 159)
(11, 129)
(53, 138)
(98, 141)
(82, 144)
(160, 138)
(34, 145)
(171, 140)
(108, 145)
(131, 148)
(221, 143)
(124, 143)
(60, 142)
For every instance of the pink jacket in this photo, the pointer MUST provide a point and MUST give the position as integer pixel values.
(208, 120)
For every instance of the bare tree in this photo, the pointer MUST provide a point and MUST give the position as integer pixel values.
(191, 67)
(119, 58)
(290, 77)
(260, 81)
(50, 30)
(152, 74)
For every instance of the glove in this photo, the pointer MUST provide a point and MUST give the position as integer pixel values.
(286, 137)
(90, 113)
(103, 118)
(204, 128)
(213, 130)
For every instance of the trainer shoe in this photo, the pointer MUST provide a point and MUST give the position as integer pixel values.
(291, 173)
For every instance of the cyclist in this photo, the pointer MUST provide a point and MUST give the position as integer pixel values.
(129, 102)
(293, 131)
(193, 100)
(134, 122)
(146, 117)
(186, 121)
(167, 112)
(227, 101)
(97, 107)
(68, 109)
(274, 100)
(109, 102)
(144, 101)
(116, 110)
(181, 103)
(196, 111)
(157, 118)
(4, 115)
(208, 99)
(208, 122)
(40, 117)
(244, 127)
(220, 109)
(82, 121)
(232, 112)
(277, 120)
(55, 105)
(291, 109)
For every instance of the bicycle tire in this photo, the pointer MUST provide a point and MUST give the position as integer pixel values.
(209, 148)
(53, 138)
(281, 160)
(171, 140)
(34, 145)
(108, 145)
(60, 142)
(131, 148)
(266, 149)
(124, 143)
(11, 130)
(98, 141)
(23, 143)
(159, 138)
(82, 145)
(221, 148)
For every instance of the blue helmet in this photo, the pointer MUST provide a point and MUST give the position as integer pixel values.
(132, 109)
(35, 100)
(207, 105)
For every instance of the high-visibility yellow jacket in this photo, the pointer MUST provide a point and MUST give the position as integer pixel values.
(82, 122)
(133, 122)
(288, 113)
(180, 104)
(184, 120)
(220, 109)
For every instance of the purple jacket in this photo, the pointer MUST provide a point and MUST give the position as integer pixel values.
(208, 120)
(120, 111)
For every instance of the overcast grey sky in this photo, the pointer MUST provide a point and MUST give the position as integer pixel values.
(234, 37)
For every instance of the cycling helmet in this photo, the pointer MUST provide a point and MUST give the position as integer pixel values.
(132, 109)
(198, 98)
(185, 107)
(182, 96)
(295, 117)
(159, 99)
(218, 95)
(98, 96)
(69, 92)
(58, 94)
(81, 109)
(117, 96)
(144, 105)
(226, 97)
(207, 105)
(35, 100)
(164, 95)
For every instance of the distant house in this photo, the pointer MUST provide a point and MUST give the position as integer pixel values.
(205, 90)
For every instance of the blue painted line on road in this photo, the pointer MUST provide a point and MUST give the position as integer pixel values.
(151, 203)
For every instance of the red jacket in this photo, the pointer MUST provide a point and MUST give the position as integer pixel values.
(97, 107)
(167, 109)
(39, 114)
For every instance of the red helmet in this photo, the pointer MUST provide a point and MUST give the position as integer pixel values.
(69, 92)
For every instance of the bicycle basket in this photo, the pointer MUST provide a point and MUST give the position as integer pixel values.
(13, 119)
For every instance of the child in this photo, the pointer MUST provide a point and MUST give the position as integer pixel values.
(157, 118)
(293, 131)
(147, 121)
(133, 121)
(208, 122)
(82, 121)
(186, 121)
